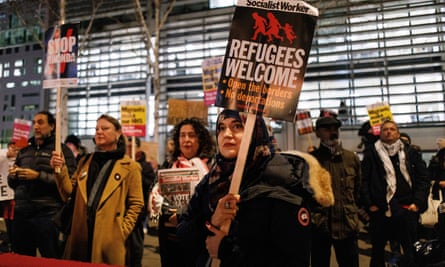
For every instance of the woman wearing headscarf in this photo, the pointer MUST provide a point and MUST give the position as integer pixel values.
(270, 221)
(108, 197)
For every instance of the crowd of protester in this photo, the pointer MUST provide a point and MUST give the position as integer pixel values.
(273, 218)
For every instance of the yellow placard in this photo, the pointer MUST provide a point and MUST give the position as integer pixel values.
(133, 118)
(378, 113)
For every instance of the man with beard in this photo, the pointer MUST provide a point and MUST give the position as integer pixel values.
(36, 196)
(337, 225)
(395, 191)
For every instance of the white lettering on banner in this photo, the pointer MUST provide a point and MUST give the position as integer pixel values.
(61, 58)
(269, 63)
(63, 45)
(285, 6)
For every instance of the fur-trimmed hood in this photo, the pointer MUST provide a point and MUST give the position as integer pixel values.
(318, 179)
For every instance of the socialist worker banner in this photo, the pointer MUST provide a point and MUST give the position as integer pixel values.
(20, 132)
(211, 71)
(266, 57)
(61, 56)
(304, 122)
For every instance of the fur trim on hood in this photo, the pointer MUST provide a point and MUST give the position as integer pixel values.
(319, 179)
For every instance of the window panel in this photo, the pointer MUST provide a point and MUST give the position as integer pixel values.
(363, 51)
(431, 97)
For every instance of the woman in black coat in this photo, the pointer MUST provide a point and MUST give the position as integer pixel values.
(270, 221)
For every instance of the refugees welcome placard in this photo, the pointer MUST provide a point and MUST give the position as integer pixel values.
(266, 57)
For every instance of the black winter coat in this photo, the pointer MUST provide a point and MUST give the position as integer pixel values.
(271, 228)
(39, 196)
(148, 179)
(374, 185)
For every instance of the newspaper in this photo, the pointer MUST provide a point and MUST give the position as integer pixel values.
(178, 185)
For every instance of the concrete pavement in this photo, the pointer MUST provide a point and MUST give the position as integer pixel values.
(152, 259)
(151, 250)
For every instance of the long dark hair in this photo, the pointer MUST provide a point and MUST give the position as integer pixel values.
(207, 146)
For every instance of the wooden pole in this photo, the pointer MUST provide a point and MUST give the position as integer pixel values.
(59, 100)
(133, 148)
(58, 144)
(309, 140)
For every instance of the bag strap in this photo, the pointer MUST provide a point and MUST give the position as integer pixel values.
(100, 177)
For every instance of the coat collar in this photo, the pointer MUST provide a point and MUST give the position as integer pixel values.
(118, 174)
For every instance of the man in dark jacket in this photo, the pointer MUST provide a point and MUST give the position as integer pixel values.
(36, 195)
(338, 225)
(395, 190)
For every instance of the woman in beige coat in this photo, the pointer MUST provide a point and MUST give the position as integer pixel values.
(108, 197)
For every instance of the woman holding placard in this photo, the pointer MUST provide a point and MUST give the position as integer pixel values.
(108, 198)
(270, 221)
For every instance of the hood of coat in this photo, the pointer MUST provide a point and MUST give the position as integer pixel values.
(319, 179)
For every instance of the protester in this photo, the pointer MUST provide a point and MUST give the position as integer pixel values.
(74, 143)
(270, 224)
(108, 197)
(35, 191)
(169, 153)
(136, 246)
(367, 137)
(406, 139)
(436, 170)
(338, 225)
(193, 147)
(7, 203)
(395, 190)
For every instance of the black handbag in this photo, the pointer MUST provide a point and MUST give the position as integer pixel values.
(63, 218)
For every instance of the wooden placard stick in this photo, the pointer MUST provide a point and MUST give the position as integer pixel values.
(58, 144)
(309, 140)
(133, 148)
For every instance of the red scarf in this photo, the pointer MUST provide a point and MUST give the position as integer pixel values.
(199, 163)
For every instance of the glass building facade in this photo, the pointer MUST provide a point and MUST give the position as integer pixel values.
(363, 52)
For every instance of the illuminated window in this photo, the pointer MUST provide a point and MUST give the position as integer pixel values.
(221, 3)
(363, 52)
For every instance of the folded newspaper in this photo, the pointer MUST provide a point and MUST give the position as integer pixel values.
(178, 185)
